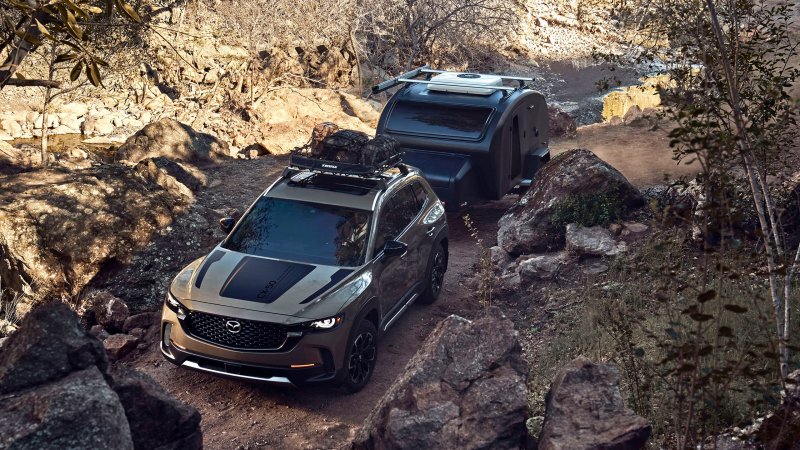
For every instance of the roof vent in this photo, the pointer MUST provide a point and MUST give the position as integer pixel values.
(465, 83)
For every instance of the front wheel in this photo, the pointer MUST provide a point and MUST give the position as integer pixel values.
(362, 353)
(437, 266)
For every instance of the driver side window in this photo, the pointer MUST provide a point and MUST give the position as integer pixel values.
(396, 214)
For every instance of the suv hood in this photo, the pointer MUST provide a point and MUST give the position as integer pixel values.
(238, 280)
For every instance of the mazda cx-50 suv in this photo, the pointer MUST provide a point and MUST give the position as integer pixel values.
(309, 278)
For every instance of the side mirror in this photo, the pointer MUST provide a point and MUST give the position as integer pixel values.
(394, 248)
(227, 223)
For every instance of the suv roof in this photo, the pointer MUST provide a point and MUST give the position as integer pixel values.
(343, 190)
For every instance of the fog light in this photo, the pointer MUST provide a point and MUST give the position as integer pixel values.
(165, 335)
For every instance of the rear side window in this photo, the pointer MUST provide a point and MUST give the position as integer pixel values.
(396, 214)
(447, 121)
(420, 193)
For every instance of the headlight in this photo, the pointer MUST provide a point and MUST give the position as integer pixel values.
(434, 214)
(326, 324)
(175, 306)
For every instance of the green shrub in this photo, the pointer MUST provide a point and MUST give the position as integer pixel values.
(588, 210)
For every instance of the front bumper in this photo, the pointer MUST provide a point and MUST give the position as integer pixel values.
(315, 358)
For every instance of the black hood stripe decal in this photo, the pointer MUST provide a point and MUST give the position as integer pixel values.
(263, 280)
(338, 276)
(214, 257)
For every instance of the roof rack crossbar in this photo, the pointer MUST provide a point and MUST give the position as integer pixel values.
(409, 77)
(464, 85)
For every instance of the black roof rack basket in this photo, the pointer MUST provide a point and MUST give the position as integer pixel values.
(301, 158)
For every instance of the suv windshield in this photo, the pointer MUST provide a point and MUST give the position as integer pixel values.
(302, 231)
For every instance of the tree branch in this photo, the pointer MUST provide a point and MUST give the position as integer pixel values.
(32, 83)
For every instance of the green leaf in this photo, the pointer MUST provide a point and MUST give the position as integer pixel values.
(706, 296)
(76, 71)
(129, 11)
(93, 74)
(42, 29)
(65, 57)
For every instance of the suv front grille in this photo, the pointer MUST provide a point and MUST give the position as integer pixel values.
(251, 335)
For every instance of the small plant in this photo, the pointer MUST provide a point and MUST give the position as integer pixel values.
(485, 272)
(587, 210)
(9, 319)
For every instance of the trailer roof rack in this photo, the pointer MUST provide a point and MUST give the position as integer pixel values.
(410, 78)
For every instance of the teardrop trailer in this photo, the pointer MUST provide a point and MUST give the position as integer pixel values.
(473, 136)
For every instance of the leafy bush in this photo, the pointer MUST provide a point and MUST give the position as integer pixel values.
(588, 210)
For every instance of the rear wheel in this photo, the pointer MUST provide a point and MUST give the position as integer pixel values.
(362, 353)
(437, 266)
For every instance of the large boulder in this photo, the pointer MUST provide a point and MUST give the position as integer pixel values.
(561, 123)
(78, 411)
(156, 419)
(466, 388)
(56, 391)
(585, 411)
(47, 346)
(569, 178)
(170, 138)
(58, 228)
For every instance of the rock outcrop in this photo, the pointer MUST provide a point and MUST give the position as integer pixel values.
(561, 123)
(585, 411)
(527, 227)
(464, 388)
(56, 391)
(58, 228)
(170, 138)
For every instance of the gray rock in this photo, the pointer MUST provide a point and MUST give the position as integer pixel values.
(541, 267)
(48, 345)
(99, 332)
(527, 226)
(109, 311)
(144, 320)
(156, 419)
(592, 241)
(585, 411)
(465, 387)
(104, 125)
(635, 227)
(79, 411)
(119, 345)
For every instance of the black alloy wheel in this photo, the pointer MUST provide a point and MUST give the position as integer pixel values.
(361, 357)
(435, 275)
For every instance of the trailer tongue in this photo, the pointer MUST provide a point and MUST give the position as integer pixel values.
(472, 136)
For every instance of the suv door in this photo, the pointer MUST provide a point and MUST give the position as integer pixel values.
(398, 221)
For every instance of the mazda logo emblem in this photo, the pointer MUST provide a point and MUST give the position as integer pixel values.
(233, 326)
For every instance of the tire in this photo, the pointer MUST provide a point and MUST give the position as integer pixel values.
(361, 356)
(434, 276)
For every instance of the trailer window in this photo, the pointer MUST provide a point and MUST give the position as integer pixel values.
(448, 121)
